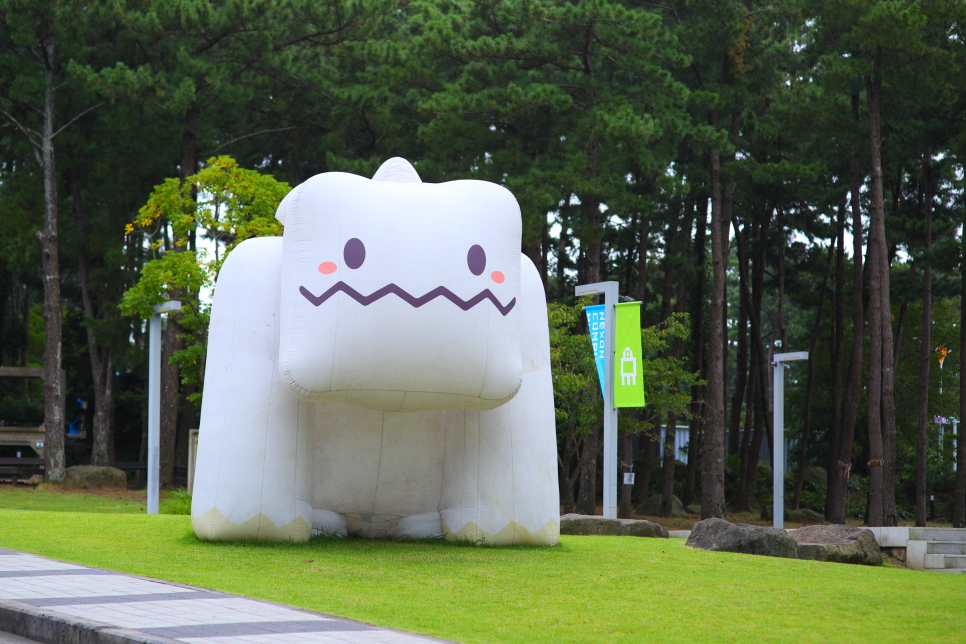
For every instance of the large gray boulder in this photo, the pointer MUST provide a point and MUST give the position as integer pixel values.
(588, 525)
(95, 477)
(720, 536)
(838, 543)
(652, 507)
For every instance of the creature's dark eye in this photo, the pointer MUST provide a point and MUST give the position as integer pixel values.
(354, 253)
(476, 259)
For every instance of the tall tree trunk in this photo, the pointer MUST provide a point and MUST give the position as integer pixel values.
(959, 486)
(680, 299)
(880, 338)
(853, 392)
(667, 467)
(667, 458)
(642, 482)
(782, 328)
(590, 209)
(760, 430)
(837, 359)
(25, 325)
(642, 477)
(587, 493)
(722, 199)
(563, 242)
(876, 516)
(741, 368)
(169, 401)
(627, 463)
(641, 291)
(810, 387)
(749, 466)
(568, 460)
(748, 463)
(544, 264)
(925, 352)
(102, 368)
(170, 380)
(741, 237)
(698, 409)
(54, 387)
(712, 453)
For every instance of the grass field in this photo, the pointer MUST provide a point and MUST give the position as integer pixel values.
(589, 589)
(57, 499)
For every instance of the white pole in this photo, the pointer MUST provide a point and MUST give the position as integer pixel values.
(610, 412)
(154, 411)
(777, 448)
(610, 292)
(154, 401)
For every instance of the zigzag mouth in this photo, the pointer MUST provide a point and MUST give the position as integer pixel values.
(415, 302)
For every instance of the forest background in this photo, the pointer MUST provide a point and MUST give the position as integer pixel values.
(764, 177)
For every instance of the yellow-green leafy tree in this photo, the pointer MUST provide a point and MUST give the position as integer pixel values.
(222, 204)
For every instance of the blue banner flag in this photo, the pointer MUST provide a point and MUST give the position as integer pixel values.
(596, 321)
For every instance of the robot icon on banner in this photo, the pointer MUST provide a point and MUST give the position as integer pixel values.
(628, 368)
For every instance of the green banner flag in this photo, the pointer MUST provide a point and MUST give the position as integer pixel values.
(628, 379)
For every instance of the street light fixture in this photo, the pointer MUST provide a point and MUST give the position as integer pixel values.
(610, 292)
(154, 400)
(778, 448)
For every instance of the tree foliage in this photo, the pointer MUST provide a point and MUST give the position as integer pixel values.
(712, 157)
(225, 203)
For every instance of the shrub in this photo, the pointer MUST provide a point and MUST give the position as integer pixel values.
(178, 502)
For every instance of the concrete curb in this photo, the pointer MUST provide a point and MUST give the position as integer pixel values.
(51, 627)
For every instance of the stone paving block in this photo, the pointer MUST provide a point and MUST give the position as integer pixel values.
(97, 606)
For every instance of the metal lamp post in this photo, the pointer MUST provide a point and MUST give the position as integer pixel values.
(778, 449)
(154, 400)
(610, 293)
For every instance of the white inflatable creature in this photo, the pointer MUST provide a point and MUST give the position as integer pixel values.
(382, 369)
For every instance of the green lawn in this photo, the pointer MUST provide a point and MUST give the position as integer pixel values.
(55, 499)
(589, 589)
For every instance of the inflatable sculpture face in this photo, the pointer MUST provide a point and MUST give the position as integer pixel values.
(382, 369)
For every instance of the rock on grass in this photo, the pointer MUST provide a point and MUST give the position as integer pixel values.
(838, 543)
(588, 525)
(720, 536)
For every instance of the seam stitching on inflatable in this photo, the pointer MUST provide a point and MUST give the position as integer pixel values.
(442, 470)
(513, 479)
(224, 416)
(478, 463)
(375, 491)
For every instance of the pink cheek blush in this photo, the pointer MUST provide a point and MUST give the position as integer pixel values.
(497, 277)
(327, 267)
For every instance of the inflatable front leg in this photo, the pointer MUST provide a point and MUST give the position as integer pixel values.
(500, 471)
(254, 444)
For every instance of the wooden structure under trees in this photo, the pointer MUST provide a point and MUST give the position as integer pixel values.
(32, 437)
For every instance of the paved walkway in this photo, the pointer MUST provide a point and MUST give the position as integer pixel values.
(47, 600)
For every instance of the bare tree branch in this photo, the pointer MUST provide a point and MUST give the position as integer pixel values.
(77, 118)
(29, 133)
(248, 136)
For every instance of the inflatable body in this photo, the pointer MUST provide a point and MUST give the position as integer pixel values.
(382, 370)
